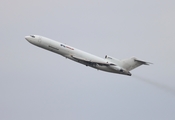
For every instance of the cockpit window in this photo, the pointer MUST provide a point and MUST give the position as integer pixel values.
(32, 36)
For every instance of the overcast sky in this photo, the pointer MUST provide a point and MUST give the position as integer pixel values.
(36, 84)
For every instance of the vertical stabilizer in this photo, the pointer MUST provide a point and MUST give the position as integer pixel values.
(132, 63)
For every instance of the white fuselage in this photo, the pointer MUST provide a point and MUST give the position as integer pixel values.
(68, 52)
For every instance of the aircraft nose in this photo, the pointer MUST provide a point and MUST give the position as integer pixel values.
(27, 38)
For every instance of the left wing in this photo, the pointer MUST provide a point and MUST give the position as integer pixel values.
(89, 62)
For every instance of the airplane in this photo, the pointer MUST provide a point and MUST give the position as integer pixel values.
(108, 64)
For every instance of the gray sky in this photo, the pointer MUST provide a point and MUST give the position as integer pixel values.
(36, 84)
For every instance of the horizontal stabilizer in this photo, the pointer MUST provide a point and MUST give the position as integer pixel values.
(143, 62)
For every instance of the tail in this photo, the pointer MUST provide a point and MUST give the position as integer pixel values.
(132, 63)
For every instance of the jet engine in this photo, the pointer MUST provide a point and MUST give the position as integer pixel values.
(112, 59)
(117, 68)
(108, 57)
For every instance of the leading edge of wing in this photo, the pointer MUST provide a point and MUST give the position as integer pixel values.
(93, 62)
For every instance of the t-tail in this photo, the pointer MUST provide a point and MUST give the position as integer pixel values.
(127, 64)
(132, 63)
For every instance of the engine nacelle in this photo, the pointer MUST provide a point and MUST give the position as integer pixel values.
(117, 68)
(111, 59)
(108, 57)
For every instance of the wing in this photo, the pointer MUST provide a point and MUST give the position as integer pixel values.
(89, 62)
